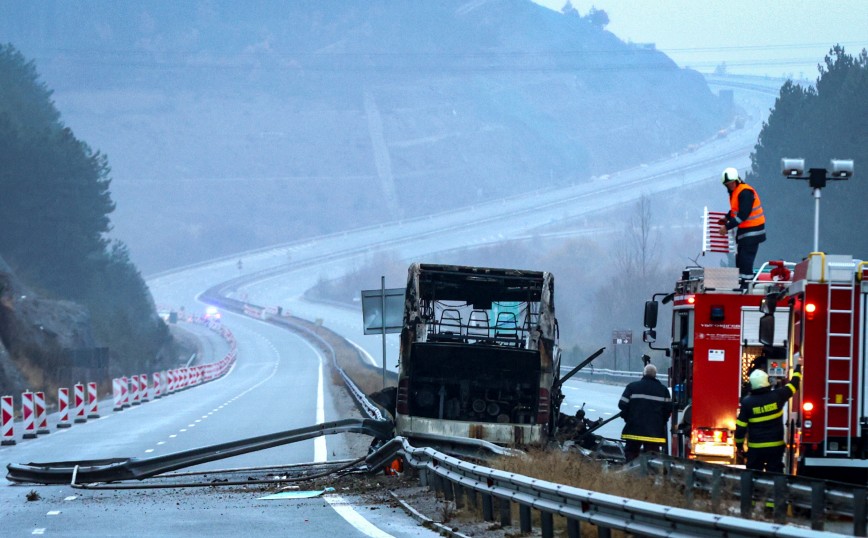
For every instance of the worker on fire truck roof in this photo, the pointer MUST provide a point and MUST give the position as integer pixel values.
(761, 417)
(745, 214)
(645, 407)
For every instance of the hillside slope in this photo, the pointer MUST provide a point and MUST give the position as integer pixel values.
(230, 126)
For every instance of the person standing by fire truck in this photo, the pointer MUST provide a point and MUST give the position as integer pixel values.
(745, 214)
(761, 418)
(645, 406)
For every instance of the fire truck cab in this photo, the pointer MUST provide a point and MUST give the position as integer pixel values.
(826, 332)
(715, 345)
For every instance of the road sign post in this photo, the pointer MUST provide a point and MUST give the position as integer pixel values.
(382, 313)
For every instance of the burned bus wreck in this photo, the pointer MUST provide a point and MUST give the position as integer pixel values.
(479, 355)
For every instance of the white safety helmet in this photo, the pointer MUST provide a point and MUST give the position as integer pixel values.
(759, 379)
(730, 174)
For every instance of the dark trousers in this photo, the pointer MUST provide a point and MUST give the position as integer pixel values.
(745, 256)
(633, 448)
(766, 459)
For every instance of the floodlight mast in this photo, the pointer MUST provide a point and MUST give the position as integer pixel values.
(838, 170)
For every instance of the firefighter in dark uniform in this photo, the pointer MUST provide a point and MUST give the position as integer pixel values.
(761, 418)
(645, 406)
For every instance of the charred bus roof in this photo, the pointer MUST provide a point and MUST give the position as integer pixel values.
(479, 285)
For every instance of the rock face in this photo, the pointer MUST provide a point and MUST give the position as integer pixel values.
(34, 332)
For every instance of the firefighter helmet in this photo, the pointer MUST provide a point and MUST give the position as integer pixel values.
(730, 174)
(759, 379)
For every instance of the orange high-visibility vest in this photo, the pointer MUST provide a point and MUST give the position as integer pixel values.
(756, 217)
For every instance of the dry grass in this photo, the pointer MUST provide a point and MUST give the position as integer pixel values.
(575, 470)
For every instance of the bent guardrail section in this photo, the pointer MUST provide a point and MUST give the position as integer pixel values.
(112, 470)
(460, 480)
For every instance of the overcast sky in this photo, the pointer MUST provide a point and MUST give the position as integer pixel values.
(761, 37)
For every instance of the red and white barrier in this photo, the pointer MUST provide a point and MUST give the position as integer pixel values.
(39, 410)
(28, 416)
(63, 406)
(78, 394)
(92, 405)
(7, 421)
(117, 400)
(157, 386)
(170, 381)
(134, 390)
(143, 387)
(125, 392)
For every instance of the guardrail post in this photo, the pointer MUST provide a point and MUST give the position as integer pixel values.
(818, 505)
(860, 512)
(715, 490)
(574, 528)
(471, 498)
(505, 512)
(746, 494)
(780, 497)
(423, 478)
(604, 532)
(435, 484)
(458, 489)
(689, 482)
(446, 486)
(547, 524)
(525, 521)
(487, 508)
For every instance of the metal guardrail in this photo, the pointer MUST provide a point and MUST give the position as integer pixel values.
(821, 497)
(461, 481)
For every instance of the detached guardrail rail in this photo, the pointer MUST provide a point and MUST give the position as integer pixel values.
(117, 469)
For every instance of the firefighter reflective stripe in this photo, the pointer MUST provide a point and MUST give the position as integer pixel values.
(764, 445)
(765, 418)
(637, 396)
(630, 437)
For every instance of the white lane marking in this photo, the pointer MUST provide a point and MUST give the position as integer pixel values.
(354, 518)
(53, 513)
(38, 531)
(173, 436)
(70, 498)
(161, 443)
(148, 451)
(320, 450)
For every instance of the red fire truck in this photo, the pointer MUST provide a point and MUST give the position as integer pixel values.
(826, 332)
(715, 344)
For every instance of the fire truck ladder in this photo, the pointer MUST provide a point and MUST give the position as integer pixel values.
(841, 340)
